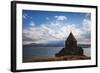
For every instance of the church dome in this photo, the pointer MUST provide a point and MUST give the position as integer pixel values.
(71, 37)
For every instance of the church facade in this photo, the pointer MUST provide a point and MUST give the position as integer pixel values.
(71, 47)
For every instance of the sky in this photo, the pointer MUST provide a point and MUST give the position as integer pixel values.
(52, 27)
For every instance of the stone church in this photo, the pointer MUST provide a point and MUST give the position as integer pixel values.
(71, 47)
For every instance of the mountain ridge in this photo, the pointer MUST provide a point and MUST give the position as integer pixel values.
(52, 45)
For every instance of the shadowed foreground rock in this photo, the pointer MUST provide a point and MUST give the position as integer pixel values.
(71, 47)
(62, 58)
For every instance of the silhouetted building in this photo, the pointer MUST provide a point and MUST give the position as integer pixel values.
(71, 47)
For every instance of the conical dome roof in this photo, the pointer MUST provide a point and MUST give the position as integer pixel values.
(71, 37)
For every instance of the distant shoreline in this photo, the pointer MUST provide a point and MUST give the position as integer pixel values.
(62, 58)
(52, 45)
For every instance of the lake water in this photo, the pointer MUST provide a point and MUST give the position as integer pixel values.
(32, 52)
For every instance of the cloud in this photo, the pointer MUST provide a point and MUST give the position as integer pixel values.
(86, 25)
(61, 18)
(47, 18)
(32, 23)
(25, 16)
(88, 15)
(56, 31)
